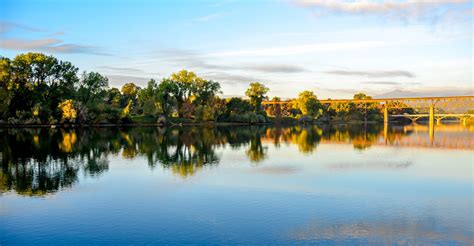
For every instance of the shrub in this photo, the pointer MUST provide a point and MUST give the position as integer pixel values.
(204, 113)
(305, 119)
(249, 117)
(261, 119)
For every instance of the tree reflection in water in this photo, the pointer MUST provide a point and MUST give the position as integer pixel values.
(36, 162)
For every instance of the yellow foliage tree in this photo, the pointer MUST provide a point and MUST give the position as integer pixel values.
(68, 112)
(126, 111)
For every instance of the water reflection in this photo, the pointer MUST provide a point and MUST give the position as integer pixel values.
(36, 162)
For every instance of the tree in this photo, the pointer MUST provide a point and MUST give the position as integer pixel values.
(129, 97)
(130, 90)
(125, 115)
(190, 85)
(167, 91)
(92, 87)
(113, 97)
(342, 110)
(68, 112)
(47, 74)
(308, 103)
(147, 98)
(275, 108)
(6, 93)
(257, 93)
(361, 96)
(205, 91)
(36, 79)
(365, 109)
(237, 105)
(186, 82)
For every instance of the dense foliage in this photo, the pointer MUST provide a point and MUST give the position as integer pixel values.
(40, 89)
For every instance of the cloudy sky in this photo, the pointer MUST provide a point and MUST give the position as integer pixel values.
(335, 48)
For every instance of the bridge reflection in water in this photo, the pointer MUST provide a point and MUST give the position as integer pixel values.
(448, 136)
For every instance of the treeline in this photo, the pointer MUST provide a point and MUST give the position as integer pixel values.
(40, 89)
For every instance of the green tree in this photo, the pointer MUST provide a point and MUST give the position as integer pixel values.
(361, 96)
(205, 91)
(342, 110)
(113, 97)
(37, 79)
(6, 93)
(309, 104)
(92, 87)
(365, 110)
(186, 82)
(147, 98)
(237, 105)
(257, 92)
(167, 95)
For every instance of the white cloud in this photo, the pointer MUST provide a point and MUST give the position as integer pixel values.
(304, 49)
(405, 10)
(117, 81)
(6, 26)
(373, 74)
(48, 45)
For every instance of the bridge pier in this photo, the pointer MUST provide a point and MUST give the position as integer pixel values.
(431, 124)
(385, 113)
(432, 118)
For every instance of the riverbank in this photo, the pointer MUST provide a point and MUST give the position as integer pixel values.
(210, 123)
(173, 124)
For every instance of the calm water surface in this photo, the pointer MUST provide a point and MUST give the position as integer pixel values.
(350, 184)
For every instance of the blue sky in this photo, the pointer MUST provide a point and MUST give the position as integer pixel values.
(335, 48)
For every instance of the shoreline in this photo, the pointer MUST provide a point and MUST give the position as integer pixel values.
(204, 124)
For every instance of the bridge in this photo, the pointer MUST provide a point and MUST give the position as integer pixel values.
(430, 103)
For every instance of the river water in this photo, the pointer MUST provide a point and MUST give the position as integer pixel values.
(340, 184)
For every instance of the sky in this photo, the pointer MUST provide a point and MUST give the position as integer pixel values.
(334, 48)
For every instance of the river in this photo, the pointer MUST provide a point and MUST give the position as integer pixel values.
(329, 184)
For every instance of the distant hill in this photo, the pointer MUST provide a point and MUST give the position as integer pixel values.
(397, 93)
